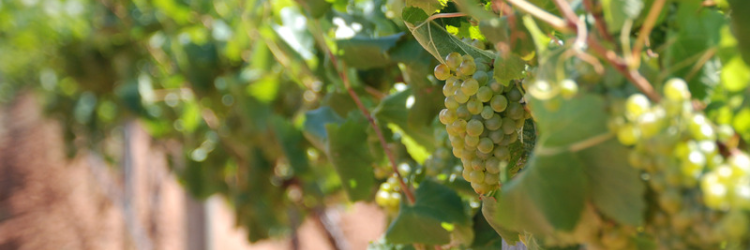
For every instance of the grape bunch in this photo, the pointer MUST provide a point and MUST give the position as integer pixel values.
(389, 194)
(694, 184)
(442, 164)
(482, 118)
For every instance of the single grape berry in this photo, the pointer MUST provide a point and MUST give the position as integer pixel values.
(514, 95)
(474, 106)
(636, 105)
(676, 90)
(487, 113)
(453, 60)
(481, 77)
(485, 145)
(470, 86)
(474, 127)
(442, 72)
(499, 103)
(460, 96)
(494, 123)
(484, 94)
(568, 88)
(451, 103)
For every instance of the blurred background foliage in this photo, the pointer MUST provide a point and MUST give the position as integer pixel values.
(238, 91)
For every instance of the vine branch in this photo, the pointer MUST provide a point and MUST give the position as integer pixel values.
(646, 28)
(344, 78)
(601, 26)
(556, 22)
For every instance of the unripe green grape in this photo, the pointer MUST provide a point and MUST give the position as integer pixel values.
(708, 148)
(450, 86)
(460, 126)
(474, 127)
(515, 110)
(704, 132)
(568, 88)
(501, 153)
(382, 197)
(474, 106)
(692, 166)
(636, 105)
(627, 134)
(447, 116)
(514, 95)
(487, 113)
(394, 199)
(724, 132)
(458, 152)
(472, 141)
(511, 138)
(482, 155)
(650, 124)
(477, 164)
(451, 103)
(484, 94)
(670, 201)
(492, 165)
(740, 162)
(494, 123)
(477, 44)
(453, 60)
(676, 89)
(499, 103)
(442, 72)
(462, 112)
(483, 66)
(460, 97)
(672, 108)
(491, 178)
(467, 68)
(520, 123)
(509, 126)
(485, 145)
(470, 86)
(497, 136)
(481, 77)
(496, 87)
(468, 58)
(466, 173)
(476, 176)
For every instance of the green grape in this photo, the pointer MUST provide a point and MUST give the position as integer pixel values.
(492, 165)
(458, 152)
(474, 127)
(693, 165)
(470, 86)
(477, 44)
(676, 89)
(487, 113)
(499, 103)
(382, 197)
(636, 105)
(474, 106)
(476, 176)
(477, 164)
(447, 116)
(450, 86)
(650, 124)
(484, 94)
(460, 126)
(442, 72)
(724, 132)
(451, 103)
(501, 153)
(394, 199)
(496, 87)
(462, 112)
(472, 141)
(466, 173)
(453, 60)
(460, 96)
(670, 201)
(520, 123)
(467, 67)
(491, 178)
(494, 123)
(511, 138)
(568, 88)
(514, 95)
(481, 77)
(497, 136)
(485, 145)
(515, 110)
(627, 134)
(468, 58)
(509, 126)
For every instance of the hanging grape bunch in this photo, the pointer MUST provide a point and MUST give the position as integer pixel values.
(482, 117)
(389, 194)
(700, 192)
(442, 164)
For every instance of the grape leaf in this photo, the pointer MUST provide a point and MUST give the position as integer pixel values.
(617, 11)
(367, 53)
(485, 237)
(428, 6)
(393, 109)
(508, 67)
(436, 39)
(437, 207)
(291, 141)
(475, 9)
(351, 156)
(741, 26)
(314, 126)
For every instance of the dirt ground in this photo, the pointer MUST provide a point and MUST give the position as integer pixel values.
(50, 202)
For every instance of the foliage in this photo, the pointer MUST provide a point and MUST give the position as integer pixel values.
(591, 124)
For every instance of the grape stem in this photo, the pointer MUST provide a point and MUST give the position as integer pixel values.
(571, 24)
(646, 28)
(601, 26)
(341, 70)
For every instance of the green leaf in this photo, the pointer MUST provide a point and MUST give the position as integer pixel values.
(735, 74)
(314, 126)
(475, 9)
(428, 6)
(617, 11)
(291, 141)
(741, 26)
(393, 109)
(350, 155)
(416, 151)
(367, 53)
(436, 39)
(436, 207)
(485, 237)
(508, 67)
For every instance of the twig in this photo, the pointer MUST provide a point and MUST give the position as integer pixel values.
(554, 21)
(601, 26)
(344, 78)
(645, 31)
(567, 11)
